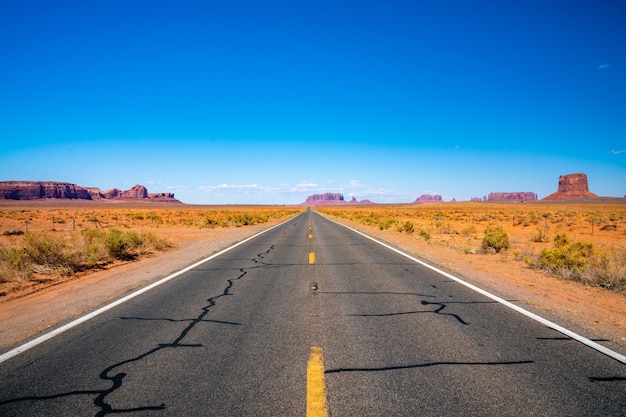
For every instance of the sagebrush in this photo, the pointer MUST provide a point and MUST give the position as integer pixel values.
(46, 253)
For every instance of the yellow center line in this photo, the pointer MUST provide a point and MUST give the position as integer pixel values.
(316, 385)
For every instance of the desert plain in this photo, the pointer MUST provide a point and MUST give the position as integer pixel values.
(447, 235)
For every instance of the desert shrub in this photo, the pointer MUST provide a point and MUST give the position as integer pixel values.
(15, 264)
(408, 227)
(241, 219)
(607, 268)
(609, 227)
(124, 245)
(582, 262)
(387, 223)
(14, 232)
(152, 241)
(469, 231)
(425, 234)
(539, 236)
(496, 239)
(566, 257)
(209, 223)
(445, 228)
(44, 248)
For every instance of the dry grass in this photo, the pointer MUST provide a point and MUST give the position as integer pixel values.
(44, 241)
(525, 232)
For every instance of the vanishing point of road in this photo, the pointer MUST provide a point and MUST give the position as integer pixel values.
(311, 318)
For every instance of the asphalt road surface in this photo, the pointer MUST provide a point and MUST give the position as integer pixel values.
(233, 337)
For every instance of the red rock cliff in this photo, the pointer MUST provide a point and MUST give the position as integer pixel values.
(33, 190)
(572, 186)
(331, 199)
(427, 198)
(27, 190)
(514, 196)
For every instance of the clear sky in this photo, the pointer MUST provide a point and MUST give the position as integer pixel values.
(270, 101)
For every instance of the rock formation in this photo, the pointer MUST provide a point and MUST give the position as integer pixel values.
(324, 199)
(572, 186)
(20, 190)
(331, 199)
(426, 198)
(34, 190)
(514, 196)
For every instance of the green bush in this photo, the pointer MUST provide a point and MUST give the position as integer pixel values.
(425, 234)
(496, 239)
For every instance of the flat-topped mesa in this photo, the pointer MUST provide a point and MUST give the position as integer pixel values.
(29, 190)
(512, 196)
(36, 190)
(325, 197)
(572, 186)
(427, 198)
(331, 199)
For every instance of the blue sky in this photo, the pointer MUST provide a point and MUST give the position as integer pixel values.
(266, 102)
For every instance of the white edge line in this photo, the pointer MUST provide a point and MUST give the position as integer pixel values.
(89, 316)
(615, 355)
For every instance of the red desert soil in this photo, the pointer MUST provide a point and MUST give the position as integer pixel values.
(593, 312)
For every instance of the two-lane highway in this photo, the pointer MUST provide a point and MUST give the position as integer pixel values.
(242, 334)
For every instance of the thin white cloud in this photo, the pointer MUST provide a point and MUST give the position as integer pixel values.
(229, 187)
(604, 66)
(304, 186)
(618, 152)
(288, 193)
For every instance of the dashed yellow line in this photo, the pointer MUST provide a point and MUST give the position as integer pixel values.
(311, 258)
(316, 385)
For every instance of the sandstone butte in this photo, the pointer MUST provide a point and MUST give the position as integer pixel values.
(515, 196)
(35, 190)
(427, 198)
(331, 199)
(572, 186)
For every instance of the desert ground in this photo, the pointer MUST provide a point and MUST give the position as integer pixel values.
(448, 235)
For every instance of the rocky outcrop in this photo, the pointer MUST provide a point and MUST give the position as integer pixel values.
(512, 196)
(136, 192)
(31, 190)
(25, 190)
(426, 198)
(331, 199)
(572, 186)
(323, 199)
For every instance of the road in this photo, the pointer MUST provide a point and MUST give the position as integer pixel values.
(234, 337)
